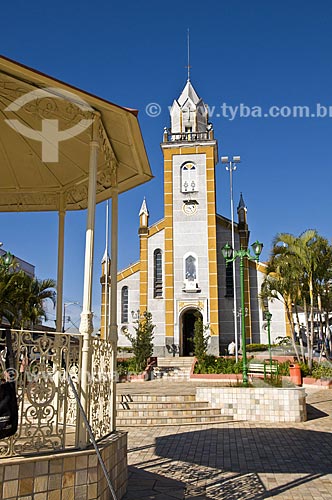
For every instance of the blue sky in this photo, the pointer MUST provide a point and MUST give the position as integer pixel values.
(257, 53)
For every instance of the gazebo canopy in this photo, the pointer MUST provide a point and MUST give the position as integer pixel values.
(37, 172)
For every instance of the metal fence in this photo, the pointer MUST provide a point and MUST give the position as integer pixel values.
(48, 413)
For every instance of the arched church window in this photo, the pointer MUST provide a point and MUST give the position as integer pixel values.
(191, 268)
(124, 304)
(189, 178)
(157, 274)
(190, 271)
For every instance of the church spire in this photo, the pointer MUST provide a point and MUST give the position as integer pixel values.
(188, 54)
(241, 203)
(242, 223)
(143, 216)
(189, 114)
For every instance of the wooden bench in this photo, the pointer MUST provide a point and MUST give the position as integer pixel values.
(264, 368)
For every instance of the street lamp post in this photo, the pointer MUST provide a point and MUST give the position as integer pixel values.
(268, 317)
(230, 255)
(231, 167)
(64, 314)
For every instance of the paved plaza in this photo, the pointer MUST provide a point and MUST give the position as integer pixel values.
(233, 460)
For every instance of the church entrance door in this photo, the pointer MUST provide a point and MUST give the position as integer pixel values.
(187, 336)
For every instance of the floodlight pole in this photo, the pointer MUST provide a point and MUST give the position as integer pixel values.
(231, 166)
(268, 317)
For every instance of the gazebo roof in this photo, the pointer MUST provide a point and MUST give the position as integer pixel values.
(35, 172)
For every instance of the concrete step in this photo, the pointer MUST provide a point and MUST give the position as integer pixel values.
(171, 420)
(162, 405)
(173, 373)
(176, 361)
(157, 405)
(174, 368)
(160, 398)
(168, 413)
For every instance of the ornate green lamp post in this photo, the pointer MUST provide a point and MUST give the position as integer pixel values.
(230, 255)
(6, 260)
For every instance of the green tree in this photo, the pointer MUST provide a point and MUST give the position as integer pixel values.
(282, 283)
(201, 340)
(142, 340)
(7, 292)
(297, 270)
(31, 294)
(22, 297)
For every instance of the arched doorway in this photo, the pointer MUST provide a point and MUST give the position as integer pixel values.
(188, 319)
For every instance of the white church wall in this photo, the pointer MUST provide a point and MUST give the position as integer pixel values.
(190, 231)
(276, 308)
(257, 330)
(132, 282)
(190, 238)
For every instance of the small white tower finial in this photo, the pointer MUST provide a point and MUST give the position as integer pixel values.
(143, 216)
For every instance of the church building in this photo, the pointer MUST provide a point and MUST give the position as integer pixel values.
(181, 272)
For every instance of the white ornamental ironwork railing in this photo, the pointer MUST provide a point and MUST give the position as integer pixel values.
(48, 412)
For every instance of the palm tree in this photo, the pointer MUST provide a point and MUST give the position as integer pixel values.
(22, 298)
(30, 296)
(282, 283)
(308, 251)
(7, 290)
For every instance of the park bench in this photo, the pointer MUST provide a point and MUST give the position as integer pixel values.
(265, 368)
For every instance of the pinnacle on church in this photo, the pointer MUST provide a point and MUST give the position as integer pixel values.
(241, 203)
(106, 257)
(144, 209)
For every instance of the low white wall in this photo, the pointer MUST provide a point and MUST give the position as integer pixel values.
(257, 404)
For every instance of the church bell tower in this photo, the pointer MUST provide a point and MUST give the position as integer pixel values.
(190, 254)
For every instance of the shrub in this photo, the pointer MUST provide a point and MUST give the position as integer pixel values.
(126, 366)
(212, 364)
(142, 341)
(323, 370)
(256, 347)
(283, 341)
(200, 339)
(304, 369)
(283, 368)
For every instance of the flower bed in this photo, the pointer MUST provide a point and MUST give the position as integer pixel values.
(226, 369)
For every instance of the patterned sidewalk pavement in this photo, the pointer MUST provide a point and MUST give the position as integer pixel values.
(235, 460)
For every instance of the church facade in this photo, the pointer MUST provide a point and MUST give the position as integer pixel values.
(181, 272)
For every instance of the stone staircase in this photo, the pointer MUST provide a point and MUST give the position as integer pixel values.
(162, 408)
(173, 368)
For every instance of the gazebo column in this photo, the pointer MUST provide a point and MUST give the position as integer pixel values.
(61, 246)
(113, 309)
(86, 325)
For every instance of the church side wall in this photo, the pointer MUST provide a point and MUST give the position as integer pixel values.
(156, 305)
